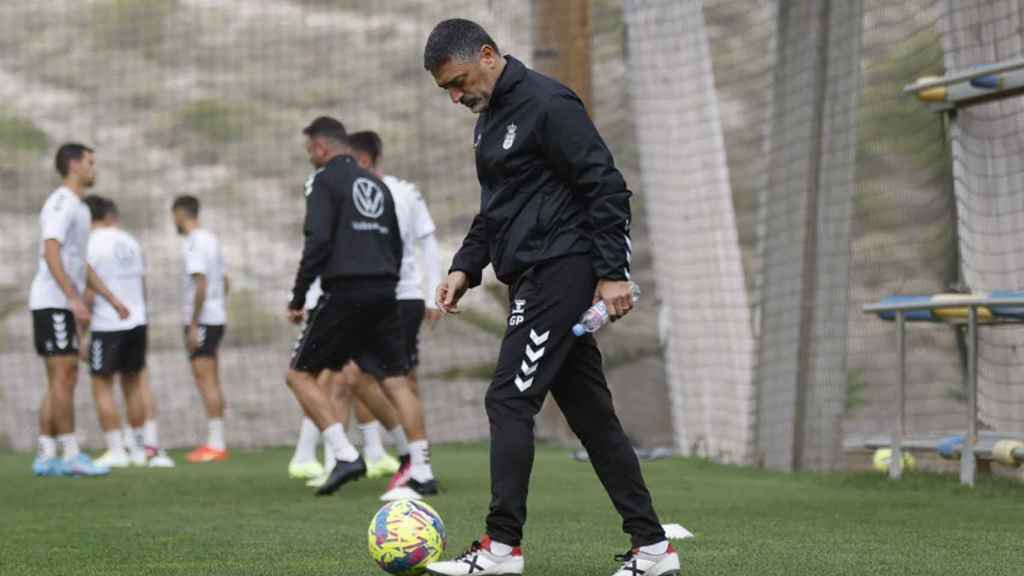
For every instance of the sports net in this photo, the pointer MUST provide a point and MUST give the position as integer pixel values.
(783, 181)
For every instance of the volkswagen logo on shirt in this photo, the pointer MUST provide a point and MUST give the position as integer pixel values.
(368, 198)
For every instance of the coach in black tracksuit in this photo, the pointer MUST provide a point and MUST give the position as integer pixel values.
(554, 224)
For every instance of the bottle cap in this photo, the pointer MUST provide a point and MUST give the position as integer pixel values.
(579, 330)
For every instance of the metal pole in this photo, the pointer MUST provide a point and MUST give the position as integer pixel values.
(957, 77)
(896, 458)
(968, 464)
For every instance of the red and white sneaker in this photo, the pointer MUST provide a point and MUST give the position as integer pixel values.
(205, 453)
(479, 560)
(401, 478)
(637, 563)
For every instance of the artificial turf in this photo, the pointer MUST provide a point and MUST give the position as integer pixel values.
(245, 516)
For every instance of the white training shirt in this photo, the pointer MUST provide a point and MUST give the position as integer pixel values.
(64, 218)
(116, 258)
(203, 256)
(415, 225)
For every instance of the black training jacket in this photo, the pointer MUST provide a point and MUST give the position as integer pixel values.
(351, 229)
(549, 186)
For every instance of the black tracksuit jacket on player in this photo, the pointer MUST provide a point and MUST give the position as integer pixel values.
(549, 186)
(351, 230)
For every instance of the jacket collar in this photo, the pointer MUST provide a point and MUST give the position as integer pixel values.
(511, 76)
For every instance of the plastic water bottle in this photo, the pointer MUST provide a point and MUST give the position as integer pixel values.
(597, 315)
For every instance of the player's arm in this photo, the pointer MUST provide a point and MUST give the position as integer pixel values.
(95, 283)
(51, 255)
(227, 284)
(198, 301)
(319, 229)
(432, 261)
(575, 151)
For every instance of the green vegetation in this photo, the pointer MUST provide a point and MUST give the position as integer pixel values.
(216, 120)
(245, 516)
(19, 135)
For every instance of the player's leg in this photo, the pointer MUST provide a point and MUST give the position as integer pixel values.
(46, 462)
(206, 370)
(583, 395)
(367, 392)
(323, 345)
(304, 465)
(104, 364)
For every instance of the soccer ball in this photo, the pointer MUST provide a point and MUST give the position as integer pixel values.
(405, 536)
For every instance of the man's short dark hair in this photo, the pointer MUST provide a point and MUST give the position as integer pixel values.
(97, 205)
(188, 203)
(458, 39)
(67, 153)
(367, 142)
(112, 210)
(327, 127)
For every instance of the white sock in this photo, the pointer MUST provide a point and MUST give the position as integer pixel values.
(150, 437)
(129, 440)
(329, 458)
(215, 438)
(401, 443)
(373, 446)
(305, 448)
(334, 437)
(419, 451)
(655, 549)
(69, 444)
(115, 442)
(47, 447)
(499, 549)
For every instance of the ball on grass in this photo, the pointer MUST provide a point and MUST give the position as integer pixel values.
(883, 457)
(405, 536)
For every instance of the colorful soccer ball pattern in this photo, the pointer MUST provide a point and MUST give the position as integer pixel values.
(405, 536)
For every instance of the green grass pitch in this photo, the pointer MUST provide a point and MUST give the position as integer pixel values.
(246, 517)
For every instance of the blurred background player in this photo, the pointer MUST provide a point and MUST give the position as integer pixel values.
(352, 244)
(59, 312)
(206, 288)
(417, 231)
(118, 346)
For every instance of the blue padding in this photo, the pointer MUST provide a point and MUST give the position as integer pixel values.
(947, 447)
(1008, 311)
(916, 315)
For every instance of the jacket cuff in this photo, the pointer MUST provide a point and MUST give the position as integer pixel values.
(475, 278)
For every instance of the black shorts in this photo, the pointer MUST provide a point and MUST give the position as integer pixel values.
(411, 312)
(210, 336)
(410, 315)
(55, 332)
(123, 351)
(363, 326)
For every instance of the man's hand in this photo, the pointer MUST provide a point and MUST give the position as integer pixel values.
(80, 311)
(617, 297)
(451, 290)
(192, 340)
(295, 316)
(122, 311)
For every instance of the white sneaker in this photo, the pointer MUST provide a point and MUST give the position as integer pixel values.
(637, 563)
(137, 456)
(480, 561)
(112, 459)
(161, 460)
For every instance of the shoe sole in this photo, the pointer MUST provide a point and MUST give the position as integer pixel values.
(432, 573)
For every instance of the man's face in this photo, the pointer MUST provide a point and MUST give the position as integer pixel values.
(180, 217)
(317, 152)
(470, 83)
(84, 169)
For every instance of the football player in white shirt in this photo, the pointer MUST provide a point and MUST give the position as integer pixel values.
(118, 346)
(206, 288)
(59, 313)
(414, 478)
